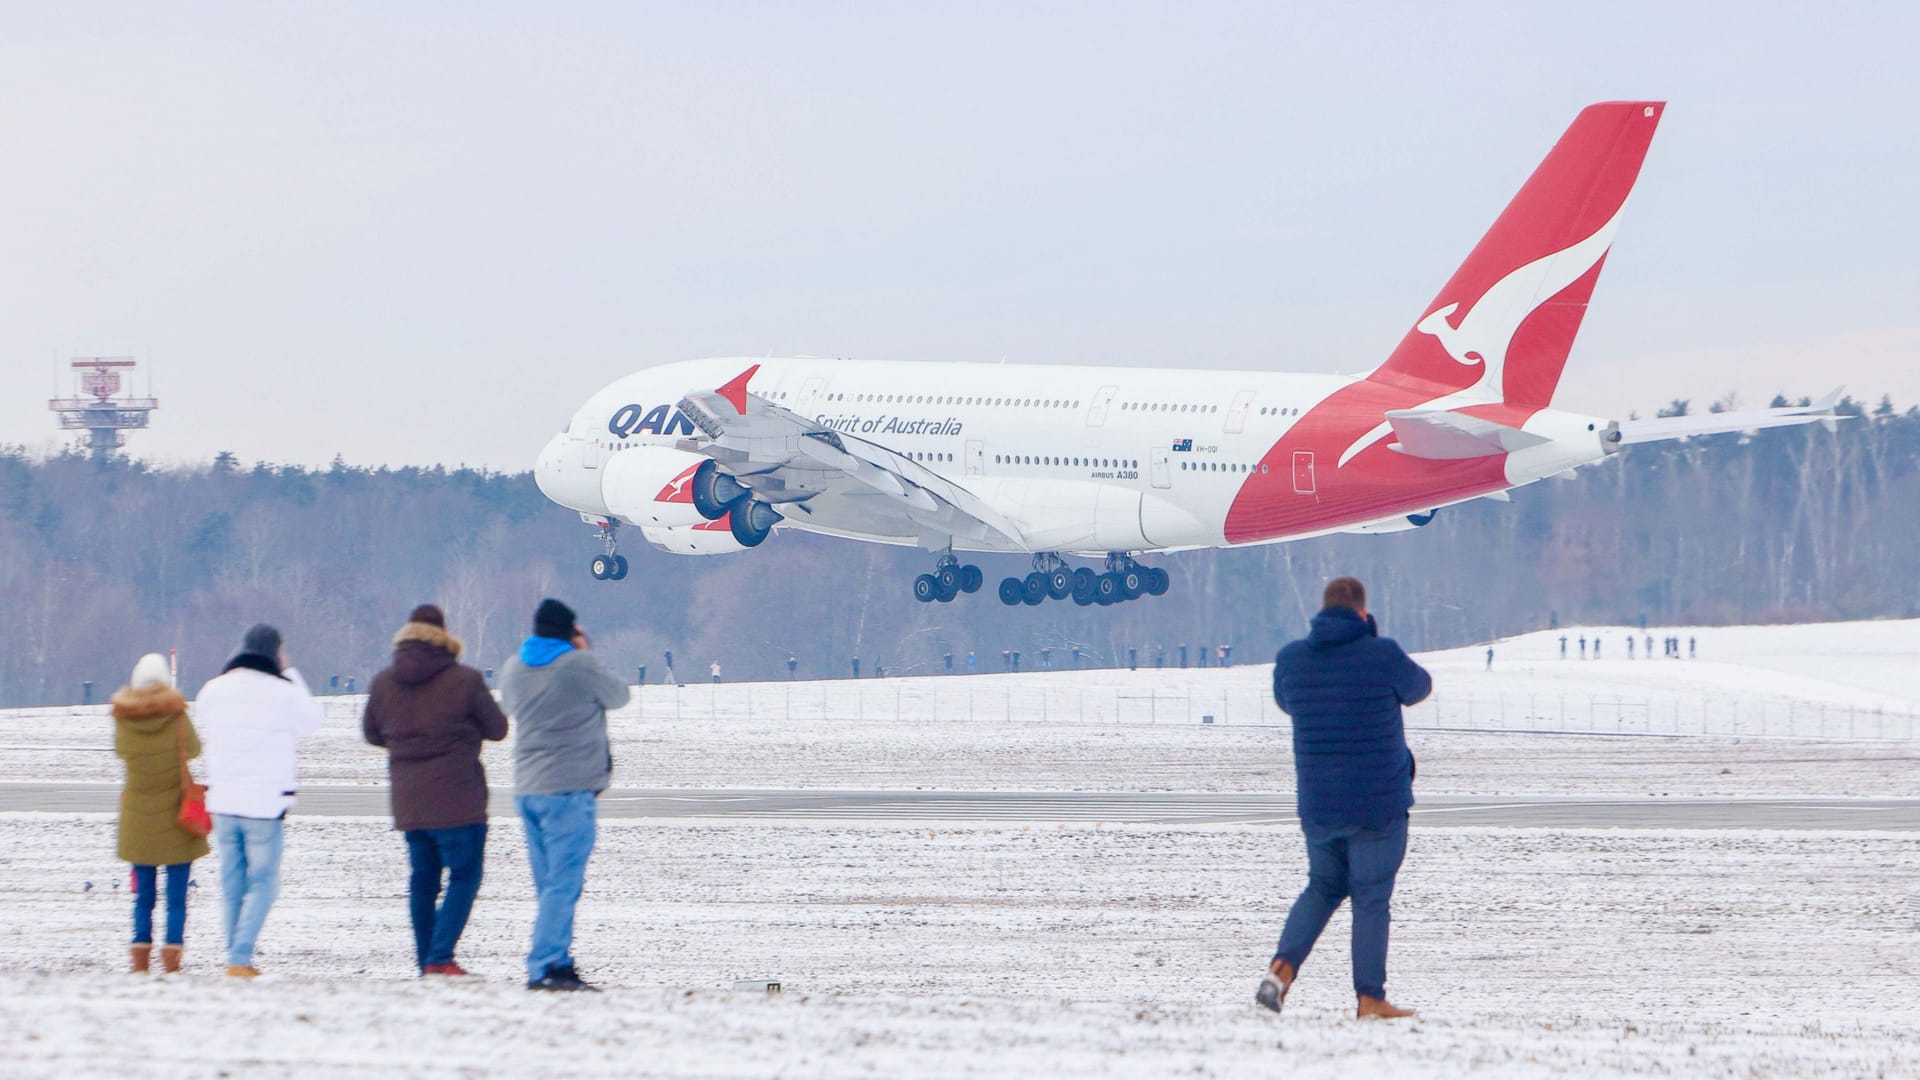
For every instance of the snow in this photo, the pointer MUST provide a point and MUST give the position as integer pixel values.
(1052, 950)
(1049, 949)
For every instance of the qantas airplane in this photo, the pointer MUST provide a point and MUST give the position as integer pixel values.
(1101, 465)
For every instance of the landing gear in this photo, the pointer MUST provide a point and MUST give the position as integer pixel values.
(1051, 578)
(949, 579)
(612, 566)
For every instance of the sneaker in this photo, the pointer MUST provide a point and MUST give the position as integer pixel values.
(561, 978)
(448, 969)
(1274, 986)
(243, 971)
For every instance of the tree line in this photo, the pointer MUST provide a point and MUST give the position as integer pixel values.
(100, 563)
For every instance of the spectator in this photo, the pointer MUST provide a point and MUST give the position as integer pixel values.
(154, 739)
(1344, 687)
(432, 716)
(559, 695)
(793, 667)
(1692, 646)
(1489, 658)
(252, 714)
(1563, 646)
(715, 668)
(972, 664)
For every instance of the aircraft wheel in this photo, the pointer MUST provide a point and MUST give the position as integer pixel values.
(949, 579)
(1060, 583)
(619, 572)
(1107, 589)
(947, 593)
(1157, 582)
(925, 588)
(1083, 597)
(1132, 583)
(602, 567)
(971, 579)
(1034, 589)
(1011, 592)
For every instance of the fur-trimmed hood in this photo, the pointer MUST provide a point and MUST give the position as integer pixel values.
(429, 633)
(421, 651)
(148, 708)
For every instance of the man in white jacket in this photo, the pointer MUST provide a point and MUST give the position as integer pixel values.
(249, 718)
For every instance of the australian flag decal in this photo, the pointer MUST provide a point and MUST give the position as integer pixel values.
(1185, 445)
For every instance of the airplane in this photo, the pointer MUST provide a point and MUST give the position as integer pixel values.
(1107, 464)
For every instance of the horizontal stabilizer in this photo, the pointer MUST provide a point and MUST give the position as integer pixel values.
(1450, 436)
(1720, 423)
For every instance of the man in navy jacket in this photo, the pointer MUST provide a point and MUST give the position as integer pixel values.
(1344, 686)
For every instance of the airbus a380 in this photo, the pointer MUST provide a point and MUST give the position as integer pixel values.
(1106, 464)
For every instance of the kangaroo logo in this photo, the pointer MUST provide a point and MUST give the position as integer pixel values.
(1485, 333)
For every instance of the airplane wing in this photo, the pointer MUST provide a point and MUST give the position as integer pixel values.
(1713, 423)
(1447, 436)
(791, 461)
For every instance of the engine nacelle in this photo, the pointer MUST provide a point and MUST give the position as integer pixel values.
(650, 486)
(706, 538)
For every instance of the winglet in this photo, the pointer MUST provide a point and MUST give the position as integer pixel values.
(735, 392)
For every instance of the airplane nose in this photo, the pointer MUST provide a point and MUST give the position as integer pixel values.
(547, 467)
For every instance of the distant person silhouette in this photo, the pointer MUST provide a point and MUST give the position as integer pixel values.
(1583, 646)
(1563, 646)
(1489, 658)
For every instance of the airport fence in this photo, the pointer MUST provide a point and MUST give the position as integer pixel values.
(1247, 702)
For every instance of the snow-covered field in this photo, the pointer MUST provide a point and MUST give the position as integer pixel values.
(1048, 950)
(1045, 951)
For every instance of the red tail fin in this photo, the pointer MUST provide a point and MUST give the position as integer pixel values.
(1503, 325)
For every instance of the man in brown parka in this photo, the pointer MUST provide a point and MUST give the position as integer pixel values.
(432, 714)
(150, 732)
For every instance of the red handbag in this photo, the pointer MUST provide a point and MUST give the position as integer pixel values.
(193, 815)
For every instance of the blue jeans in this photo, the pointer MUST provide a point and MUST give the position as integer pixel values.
(437, 923)
(249, 877)
(560, 832)
(145, 886)
(1348, 861)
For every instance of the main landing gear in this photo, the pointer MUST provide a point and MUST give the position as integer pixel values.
(1053, 579)
(612, 566)
(948, 580)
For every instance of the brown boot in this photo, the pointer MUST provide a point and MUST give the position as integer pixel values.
(1380, 1009)
(142, 958)
(170, 959)
(243, 971)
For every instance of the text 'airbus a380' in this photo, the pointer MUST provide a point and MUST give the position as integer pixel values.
(1106, 463)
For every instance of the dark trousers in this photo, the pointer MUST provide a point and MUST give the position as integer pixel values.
(1348, 861)
(438, 921)
(145, 888)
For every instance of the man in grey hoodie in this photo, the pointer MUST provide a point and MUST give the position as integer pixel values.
(558, 696)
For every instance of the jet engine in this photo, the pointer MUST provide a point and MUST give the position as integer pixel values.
(651, 486)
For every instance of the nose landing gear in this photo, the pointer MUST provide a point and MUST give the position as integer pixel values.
(949, 579)
(612, 566)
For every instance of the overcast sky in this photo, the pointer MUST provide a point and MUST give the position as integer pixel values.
(425, 232)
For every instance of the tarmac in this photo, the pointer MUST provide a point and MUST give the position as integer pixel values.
(1111, 807)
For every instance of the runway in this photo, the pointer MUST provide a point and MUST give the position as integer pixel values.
(1111, 807)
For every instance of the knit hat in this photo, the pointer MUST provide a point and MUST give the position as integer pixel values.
(152, 670)
(427, 613)
(262, 640)
(554, 620)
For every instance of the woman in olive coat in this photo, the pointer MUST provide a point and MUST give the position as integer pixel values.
(149, 727)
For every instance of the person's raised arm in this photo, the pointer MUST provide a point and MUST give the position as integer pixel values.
(486, 712)
(370, 717)
(304, 714)
(1411, 683)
